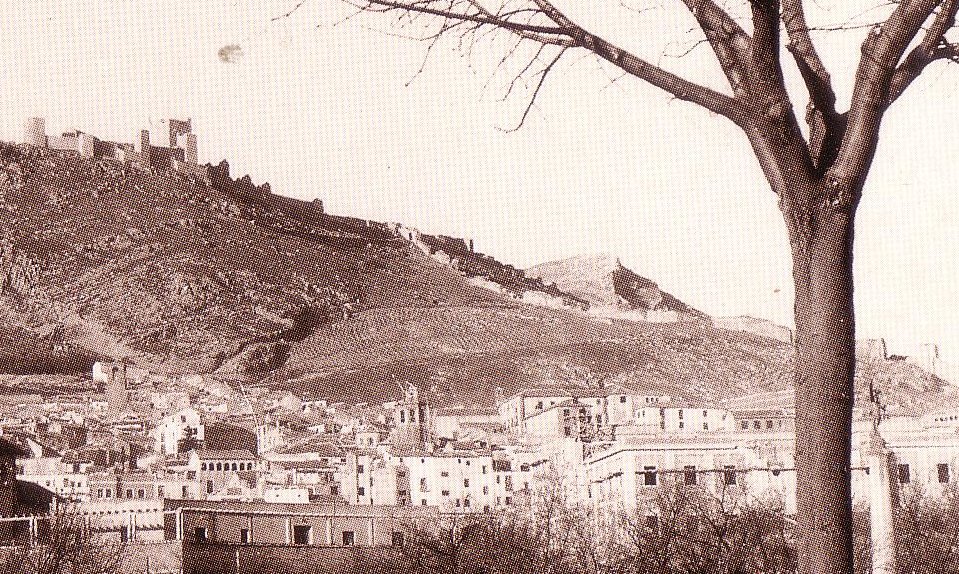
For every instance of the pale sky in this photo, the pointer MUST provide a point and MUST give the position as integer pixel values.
(328, 111)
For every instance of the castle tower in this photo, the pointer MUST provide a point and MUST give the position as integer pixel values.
(145, 151)
(178, 128)
(86, 144)
(35, 132)
(116, 389)
(187, 142)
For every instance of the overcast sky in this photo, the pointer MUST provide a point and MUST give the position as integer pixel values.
(329, 111)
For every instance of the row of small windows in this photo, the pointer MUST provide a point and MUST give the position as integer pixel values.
(302, 534)
(758, 424)
(140, 492)
(227, 466)
(942, 473)
(690, 475)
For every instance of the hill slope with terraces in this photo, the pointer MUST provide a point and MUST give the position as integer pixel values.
(176, 274)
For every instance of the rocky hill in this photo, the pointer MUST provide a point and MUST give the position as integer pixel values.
(183, 275)
(613, 290)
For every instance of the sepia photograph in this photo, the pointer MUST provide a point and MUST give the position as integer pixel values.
(479, 287)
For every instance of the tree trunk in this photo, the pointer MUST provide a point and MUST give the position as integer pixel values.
(821, 237)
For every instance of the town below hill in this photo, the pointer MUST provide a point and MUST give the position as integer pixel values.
(193, 358)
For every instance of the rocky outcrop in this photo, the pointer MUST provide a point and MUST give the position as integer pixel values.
(613, 290)
(19, 273)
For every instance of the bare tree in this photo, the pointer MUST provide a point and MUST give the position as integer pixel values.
(698, 530)
(65, 544)
(818, 176)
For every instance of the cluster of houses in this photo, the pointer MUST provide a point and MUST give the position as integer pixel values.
(149, 447)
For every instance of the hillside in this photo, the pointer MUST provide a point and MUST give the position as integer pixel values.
(180, 275)
(613, 290)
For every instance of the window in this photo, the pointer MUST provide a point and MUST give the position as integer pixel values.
(756, 425)
(457, 503)
(680, 413)
(729, 475)
(129, 493)
(745, 425)
(652, 522)
(445, 492)
(219, 466)
(484, 469)
(466, 503)
(485, 490)
(769, 424)
(689, 475)
(539, 405)
(160, 491)
(245, 536)
(184, 493)
(359, 469)
(199, 534)
(622, 398)
(681, 425)
(397, 540)
(649, 476)
(423, 502)
(202, 466)
(361, 491)
(705, 425)
(141, 493)
(209, 487)
(423, 485)
(233, 466)
(466, 483)
(943, 470)
(444, 474)
(301, 534)
(904, 474)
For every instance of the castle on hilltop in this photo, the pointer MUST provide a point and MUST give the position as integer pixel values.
(179, 155)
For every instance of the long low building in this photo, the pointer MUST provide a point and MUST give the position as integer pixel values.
(263, 523)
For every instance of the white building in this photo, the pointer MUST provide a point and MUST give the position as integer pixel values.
(175, 427)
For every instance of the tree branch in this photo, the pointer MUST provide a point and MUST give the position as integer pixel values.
(825, 124)
(729, 41)
(883, 48)
(679, 87)
(932, 47)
